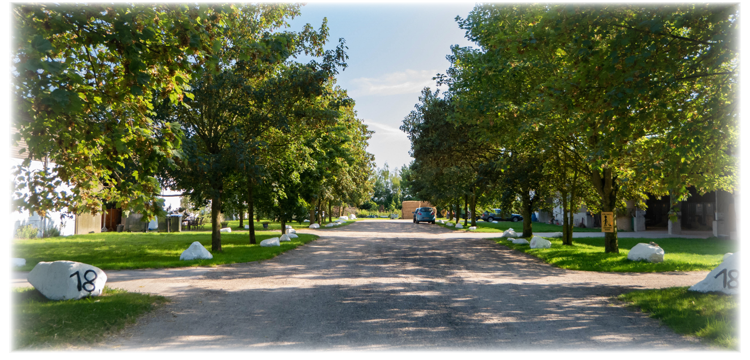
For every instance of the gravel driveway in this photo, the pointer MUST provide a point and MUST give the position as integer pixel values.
(396, 285)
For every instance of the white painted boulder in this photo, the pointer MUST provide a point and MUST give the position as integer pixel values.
(556, 235)
(288, 226)
(270, 242)
(539, 243)
(196, 251)
(247, 227)
(315, 226)
(285, 237)
(306, 220)
(291, 231)
(352, 217)
(510, 233)
(226, 230)
(724, 278)
(519, 241)
(494, 221)
(293, 236)
(19, 262)
(647, 252)
(459, 226)
(449, 223)
(472, 227)
(65, 280)
(330, 225)
(343, 218)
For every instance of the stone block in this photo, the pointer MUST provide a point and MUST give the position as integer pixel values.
(314, 226)
(19, 262)
(226, 230)
(519, 241)
(472, 227)
(285, 237)
(539, 243)
(196, 251)
(648, 252)
(724, 278)
(270, 242)
(65, 280)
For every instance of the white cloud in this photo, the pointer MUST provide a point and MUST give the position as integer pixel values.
(389, 145)
(406, 82)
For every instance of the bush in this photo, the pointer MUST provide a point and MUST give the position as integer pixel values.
(51, 231)
(27, 232)
(224, 224)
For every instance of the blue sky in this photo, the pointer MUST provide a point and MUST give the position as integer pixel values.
(394, 51)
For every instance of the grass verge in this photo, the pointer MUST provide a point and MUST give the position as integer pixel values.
(483, 226)
(711, 316)
(588, 254)
(41, 323)
(112, 251)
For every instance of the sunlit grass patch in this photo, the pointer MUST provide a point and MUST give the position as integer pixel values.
(711, 316)
(111, 251)
(588, 254)
(46, 324)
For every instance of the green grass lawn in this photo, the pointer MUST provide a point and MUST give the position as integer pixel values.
(712, 316)
(111, 251)
(588, 254)
(40, 323)
(483, 226)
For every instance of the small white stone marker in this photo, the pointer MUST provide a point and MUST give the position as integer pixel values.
(196, 251)
(226, 230)
(556, 235)
(648, 252)
(330, 225)
(293, 236)
(291, 231)
(19, 262)
(247, 227)
(270, 242)
(459, 226)
(315, 226)
(472, 227)
(285, 237)
(519, 241)
(306, 220)
(539, 243)
(65, 280)
(725, 278)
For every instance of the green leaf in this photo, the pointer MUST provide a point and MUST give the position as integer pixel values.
(41, 44)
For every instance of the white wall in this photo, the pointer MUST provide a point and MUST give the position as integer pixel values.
(18, 219)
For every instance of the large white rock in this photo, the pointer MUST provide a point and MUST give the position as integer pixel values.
(472, 227)
(285, 237)
(247, 226)
(65, 280)
(293, 236)
(330, 224)
(291, 231)
(494, 221)
(648, 252)
(270, 242)
(724, 278)
(352, 217)
(153, 224)
(288, 226)
(539, 243)
(19, 262)
(196, 251)
(449, 223)
(459, 226)
(556, 235)
(306, 220)
(519, 241)
(315, 226)
(343, 218)
(226, 230)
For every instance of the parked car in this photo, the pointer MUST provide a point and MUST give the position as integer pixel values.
(496, 214)
(426, 214)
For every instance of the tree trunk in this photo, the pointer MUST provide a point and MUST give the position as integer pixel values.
(458, 211)
(466, 209)
(341, 208)
(526, 205)
(319, 214)
(250, 210)
(474, 210)
(283, 225)
(566, 228)
(242, 216)
(312, 212)
(606, 185)
(215, 226)
(330, 211)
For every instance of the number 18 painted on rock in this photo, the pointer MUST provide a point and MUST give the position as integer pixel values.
(64, 280)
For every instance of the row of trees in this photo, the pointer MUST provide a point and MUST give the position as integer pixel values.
(589, 104)
(121, 101)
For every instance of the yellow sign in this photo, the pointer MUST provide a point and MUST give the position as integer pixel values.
(608, 221)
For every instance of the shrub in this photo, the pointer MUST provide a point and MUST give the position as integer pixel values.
(51, 231)
(224, 224)
(27, 232)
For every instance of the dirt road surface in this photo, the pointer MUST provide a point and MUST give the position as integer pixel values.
(396, 285)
